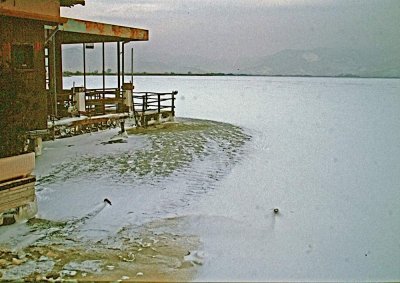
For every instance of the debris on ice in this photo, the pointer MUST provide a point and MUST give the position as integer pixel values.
(195, 257)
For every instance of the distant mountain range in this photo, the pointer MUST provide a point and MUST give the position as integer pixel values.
(316, 62)
(328, 62)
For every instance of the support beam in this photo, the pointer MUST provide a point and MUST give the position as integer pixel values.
(84, 65)
(54, 87)
(132, 65)
(119, 64)
(104, 67)
(59, 69)
(123, 62)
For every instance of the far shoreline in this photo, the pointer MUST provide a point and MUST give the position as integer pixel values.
(172, 74)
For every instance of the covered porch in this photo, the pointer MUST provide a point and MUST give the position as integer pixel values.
(80, 99)
(105, 103)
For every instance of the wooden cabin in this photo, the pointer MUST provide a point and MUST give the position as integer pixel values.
(23, 99)
(22, 72)
(31, 36)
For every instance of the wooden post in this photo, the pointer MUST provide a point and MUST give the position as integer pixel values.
(55, 77)
(146, 107)
(104, 67)
(132, 65)
(104, 76)
(122, 126)
(119, 105)
(143, 108)
(84, 65)
(145, 102)
(103, 105)
(58, 60)
(159, 103)
(123, 62)
(173, 103)
(119, 65)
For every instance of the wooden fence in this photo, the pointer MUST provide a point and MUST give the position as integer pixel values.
(145, 105)
(152, 105)
(103, 101)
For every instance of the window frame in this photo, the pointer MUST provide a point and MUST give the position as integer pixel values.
(23, 52)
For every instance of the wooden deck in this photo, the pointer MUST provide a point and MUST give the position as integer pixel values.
(147, 108)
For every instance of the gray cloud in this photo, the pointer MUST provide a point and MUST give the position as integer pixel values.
(231, 29)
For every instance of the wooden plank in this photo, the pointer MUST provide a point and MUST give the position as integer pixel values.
(12, 193)
(17, 199)
(14, 167)
(16, 203)
(17, 183)
(14, 199)
(19, 187)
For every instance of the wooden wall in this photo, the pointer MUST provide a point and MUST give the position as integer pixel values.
(23, 101)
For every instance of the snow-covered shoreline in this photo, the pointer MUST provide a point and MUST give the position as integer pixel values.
(149, 179)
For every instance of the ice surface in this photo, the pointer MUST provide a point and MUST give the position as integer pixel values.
(324, 151)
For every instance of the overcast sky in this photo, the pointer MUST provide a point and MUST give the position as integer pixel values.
(228, 29)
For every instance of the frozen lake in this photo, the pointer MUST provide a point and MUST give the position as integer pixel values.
(325, 151)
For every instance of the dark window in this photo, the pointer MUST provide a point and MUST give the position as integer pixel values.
(22, 56)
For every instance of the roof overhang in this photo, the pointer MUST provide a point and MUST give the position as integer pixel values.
(81, 31)
(50, 19)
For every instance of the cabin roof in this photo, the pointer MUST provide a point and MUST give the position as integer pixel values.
(82, 31)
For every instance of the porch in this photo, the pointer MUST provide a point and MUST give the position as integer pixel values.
(89, 110)
(145, 107)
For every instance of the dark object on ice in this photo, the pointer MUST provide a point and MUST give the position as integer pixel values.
(106, 200)
(8, 220)
(121, 140)
(276, 210)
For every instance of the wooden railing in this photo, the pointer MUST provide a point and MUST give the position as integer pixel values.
(148, 104)
(111, 100)
(103, 101)
(154, 102)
